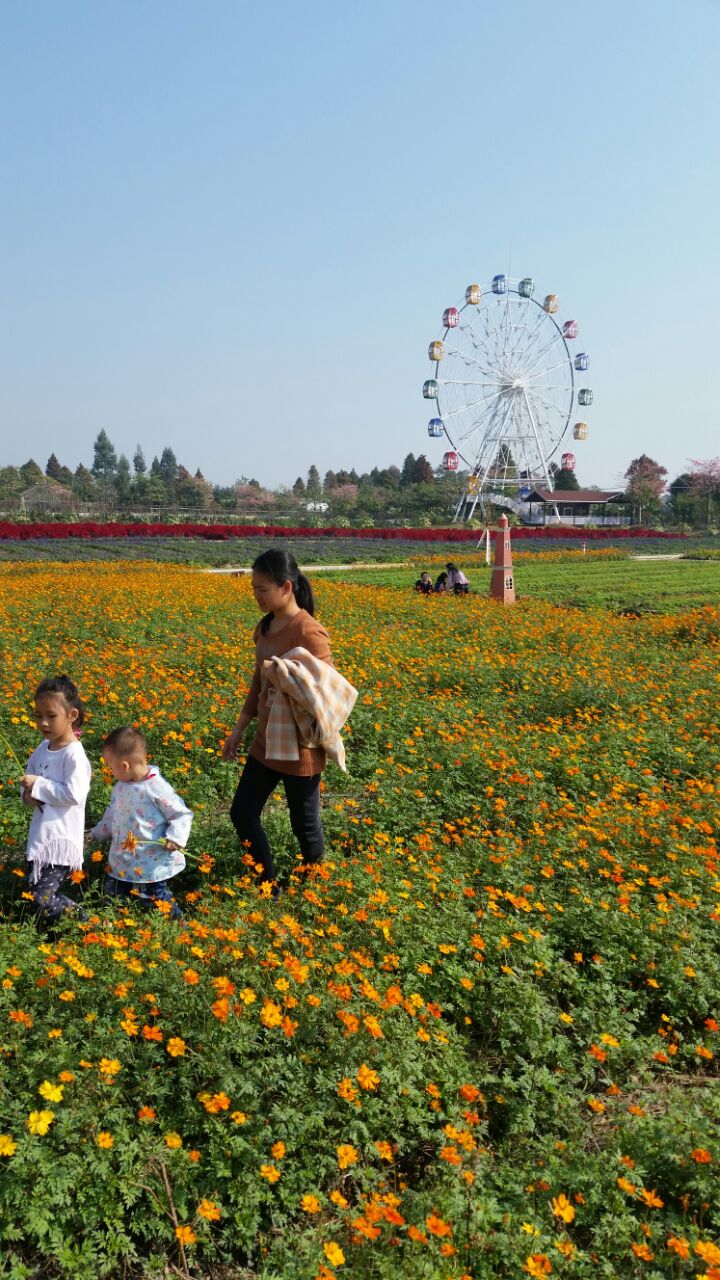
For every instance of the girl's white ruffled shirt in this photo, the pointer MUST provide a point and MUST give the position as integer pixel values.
(55, 838)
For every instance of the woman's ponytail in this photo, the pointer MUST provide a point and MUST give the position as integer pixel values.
(303, 594)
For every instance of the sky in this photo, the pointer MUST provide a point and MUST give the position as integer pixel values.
(232, 228)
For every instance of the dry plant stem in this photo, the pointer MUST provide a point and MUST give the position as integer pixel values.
(171, 1212)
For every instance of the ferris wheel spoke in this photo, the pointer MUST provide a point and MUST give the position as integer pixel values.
(548, 404)
(464, 382)
(535, 357)
(533, 372)
(464, 408)
(487, 413)
(467, 359)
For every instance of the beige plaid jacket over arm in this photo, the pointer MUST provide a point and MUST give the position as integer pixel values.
(309, 703)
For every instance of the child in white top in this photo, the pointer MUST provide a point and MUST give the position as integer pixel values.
(55, 786)
(147, 822)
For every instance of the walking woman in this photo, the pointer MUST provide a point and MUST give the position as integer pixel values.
(285, 597)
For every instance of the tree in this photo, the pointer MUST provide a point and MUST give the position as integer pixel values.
(31, 473)
(299, 487)
(139, 463)
(53, 468)
(168, 467)
(422, 472)
(313, 485)
(84, 484)
(104, 458)
(330, 481)
(706, 481)
(565, 478)
(122, 480)
(645, 482)
(408, 467)
(11, 482)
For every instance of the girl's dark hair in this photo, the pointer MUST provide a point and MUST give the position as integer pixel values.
(65, 687)
(281, 567)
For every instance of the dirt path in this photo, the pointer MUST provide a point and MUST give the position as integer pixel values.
(324, 568)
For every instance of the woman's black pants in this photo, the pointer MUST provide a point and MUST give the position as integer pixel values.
(256, 785)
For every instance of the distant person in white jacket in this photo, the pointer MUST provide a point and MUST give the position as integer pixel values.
(55, 786)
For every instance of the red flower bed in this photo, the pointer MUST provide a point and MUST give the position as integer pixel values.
(221, 532)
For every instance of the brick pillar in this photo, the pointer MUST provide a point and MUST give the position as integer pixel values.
(502, 578)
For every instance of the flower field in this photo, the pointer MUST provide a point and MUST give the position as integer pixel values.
(482, 1042)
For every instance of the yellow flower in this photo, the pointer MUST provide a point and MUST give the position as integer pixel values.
(105, 1139)
(562, 1208)
(334, 1254)
(173, 1141)
(176, 1047)
(50, 1092)
(338, 1198)
(209, 1210)
(346, 1155)
(270, 1172)
(367, 1078)
(39, 1121)
(271, 1015)
(238, 1117)
(278, 1150)
(310, 1204)
(185, 1235)
(109, 1066)
(7, 1146)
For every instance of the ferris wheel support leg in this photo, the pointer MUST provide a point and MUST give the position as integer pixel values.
(542, 455)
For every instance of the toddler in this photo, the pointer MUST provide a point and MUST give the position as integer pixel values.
(55, 786)
(148, 824)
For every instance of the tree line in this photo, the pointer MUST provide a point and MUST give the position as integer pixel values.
(414, 491)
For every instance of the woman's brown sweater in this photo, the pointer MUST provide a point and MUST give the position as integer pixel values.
(301, 632)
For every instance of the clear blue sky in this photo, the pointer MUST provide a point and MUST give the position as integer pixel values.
(233, 228)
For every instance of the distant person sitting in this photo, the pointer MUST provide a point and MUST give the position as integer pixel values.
(441, 583)
(424, 584)
(456, 580)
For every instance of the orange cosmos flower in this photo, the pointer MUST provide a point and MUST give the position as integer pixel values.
(185, 1235)
(437, 1226)
(271, 1015)
(334, 1254)
(269, 1172)
(209, 1210)
(310, 1204)
(367, 1078)
(104, 1139)
(384, 1150)
(346, 1155)
(562, 1208)
(176, 1047)
(538, 1265)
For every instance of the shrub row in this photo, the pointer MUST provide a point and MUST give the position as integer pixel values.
(221, 533)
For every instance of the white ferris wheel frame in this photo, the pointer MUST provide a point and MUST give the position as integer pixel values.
(513, 406)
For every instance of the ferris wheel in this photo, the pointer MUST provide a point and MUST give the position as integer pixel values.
(504, 383)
